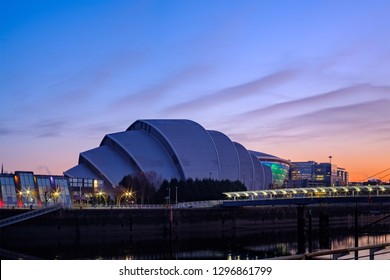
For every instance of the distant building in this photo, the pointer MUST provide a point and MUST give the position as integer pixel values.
(313, 174)
(279, 168)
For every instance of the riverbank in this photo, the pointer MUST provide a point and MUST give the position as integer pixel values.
(147, 223)
(177, 230)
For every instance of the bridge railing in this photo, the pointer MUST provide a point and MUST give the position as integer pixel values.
(338, 253)
(31, 214)
(314, 192)
(181, 205)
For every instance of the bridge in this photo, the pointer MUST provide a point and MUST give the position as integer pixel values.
(308, 196)
(28, 215)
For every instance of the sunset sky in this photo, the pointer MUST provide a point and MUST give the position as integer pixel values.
(301, 80)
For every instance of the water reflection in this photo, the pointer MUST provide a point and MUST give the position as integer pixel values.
(248, 247)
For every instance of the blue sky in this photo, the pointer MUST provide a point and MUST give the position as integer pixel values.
(299, 79)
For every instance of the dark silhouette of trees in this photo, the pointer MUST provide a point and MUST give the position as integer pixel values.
(143, 186)
(195, 190)
(148, 188)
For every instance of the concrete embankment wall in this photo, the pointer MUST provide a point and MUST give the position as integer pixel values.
(146, 224)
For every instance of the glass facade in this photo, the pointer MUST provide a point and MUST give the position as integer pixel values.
(24, 189)
(8, 191)
(25, 184)
(279, 172)
(44, 190)
(61, 194)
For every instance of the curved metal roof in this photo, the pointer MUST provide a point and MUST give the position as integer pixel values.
(145, 151)
(246, 166)
(191, 144)
(227, 156)
(109, 163)
(267, 157)
(81, 171)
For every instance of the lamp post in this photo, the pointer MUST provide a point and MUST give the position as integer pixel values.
(21, 198)
(176, 196)
(102, 194)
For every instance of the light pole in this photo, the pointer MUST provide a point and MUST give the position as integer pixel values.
(80, 195)
(176, 196)
(103, 195)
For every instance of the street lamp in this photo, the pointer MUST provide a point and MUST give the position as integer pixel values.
(103, 195)
(126, 194)
(56, 195)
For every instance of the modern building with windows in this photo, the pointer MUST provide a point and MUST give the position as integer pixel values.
(25, 189)
(313, 174)
(180, 149)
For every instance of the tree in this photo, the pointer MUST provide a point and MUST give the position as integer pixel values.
(142, 185)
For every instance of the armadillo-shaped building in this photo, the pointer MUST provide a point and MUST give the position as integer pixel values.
(180, 149)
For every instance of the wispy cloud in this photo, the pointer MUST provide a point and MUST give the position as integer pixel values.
(356, 114)
(48, 128)
(88, 83)
(4, 130)
(344, 96)
(233, 93)
(158, 91)
(365, 121)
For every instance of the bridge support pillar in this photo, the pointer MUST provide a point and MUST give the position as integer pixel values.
(374, 250)
(356, 231)
(301, 229)
(324, 230)
(310, 232)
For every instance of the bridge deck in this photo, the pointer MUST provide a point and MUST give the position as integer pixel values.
(306, 201)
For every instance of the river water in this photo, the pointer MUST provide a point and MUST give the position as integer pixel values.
(248, 246)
